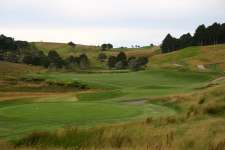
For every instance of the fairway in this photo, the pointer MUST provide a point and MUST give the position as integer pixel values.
(107, 103)
(133, 85)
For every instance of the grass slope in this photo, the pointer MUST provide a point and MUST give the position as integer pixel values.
(13, 70)
(93, 51)
(212, 57)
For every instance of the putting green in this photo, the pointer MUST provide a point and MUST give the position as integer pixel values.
(16, 120)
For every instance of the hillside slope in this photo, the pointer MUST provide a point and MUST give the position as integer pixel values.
(66, 50)
(199, 57)
(93, 51)
(14, 70)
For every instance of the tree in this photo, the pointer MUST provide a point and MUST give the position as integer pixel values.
(121, 57)
(109, 46)
(102, 57)
(72, 63)
(130, 58)
(200, 35)
(40, 59)
(213, 34)
(36, 58)
(7, 43)
(72, 60)
(55, 59)
(73, 45)
(1, 56)
(142, 61)
(137, 63)
(105, 47)
(185, 40)
(120, 65)
(222, 34)
(84, 61)
(169, 44)
(22, 44)
(111, 61)
(133, 64)
(11, 57)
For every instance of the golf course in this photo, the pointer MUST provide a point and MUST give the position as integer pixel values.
(111, 98)
(68, 96)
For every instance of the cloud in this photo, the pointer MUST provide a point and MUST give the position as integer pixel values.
(110, 16)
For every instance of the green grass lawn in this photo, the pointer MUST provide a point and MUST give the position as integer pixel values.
(19, 119)
(104, 106)
(132, 85)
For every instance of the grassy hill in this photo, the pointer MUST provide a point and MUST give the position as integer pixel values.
(93, 51)
(157, 108)
(199, 57)
(66, 50)
(195, 58)
(14, 70)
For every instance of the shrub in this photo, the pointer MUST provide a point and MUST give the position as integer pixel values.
(37, 58)
(72, 44)
(102, 57)
(142, 61)
(120, 65)
(133, 64)
(84, 61)
(55, 59)
(137, 63)
(105, 47)
(202, 100)
(11, 57)
(111, 61)
(121, 57)
(214, 109)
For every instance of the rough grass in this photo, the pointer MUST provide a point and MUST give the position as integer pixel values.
(165, 133)
(64, 49)
(212, 57)
(13, 70)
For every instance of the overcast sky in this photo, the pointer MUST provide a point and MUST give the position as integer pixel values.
(120, 22)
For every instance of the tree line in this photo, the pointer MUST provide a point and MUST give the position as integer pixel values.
(213, 34)
(121, 61)
(25, 52)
